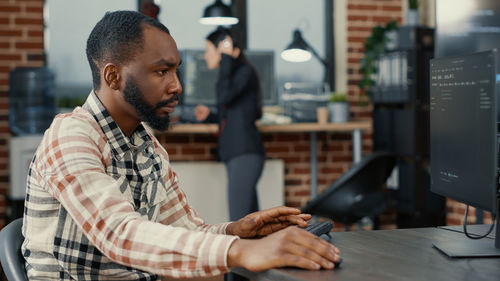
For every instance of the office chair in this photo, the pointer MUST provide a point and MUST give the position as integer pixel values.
(11, 258)
(358, 193)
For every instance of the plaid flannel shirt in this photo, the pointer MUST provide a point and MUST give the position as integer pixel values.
(102, 206)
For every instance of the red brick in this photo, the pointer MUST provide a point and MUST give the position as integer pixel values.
(293, 182)
(294, 204)
(382, 19)
(302, 193)
(334, 147)
(353, 60)
(11, 33)
(301, 171)
(172, 151)
(362, 7)
(357, 18)
(29, 45)
(9, 8)
(28, 21)
(192, 150)
(34, 9)
(301, 148)
(359, 28)
(266, 137)
(288, 159)
(172, 139)
(392, 8)
(275, 149)
(342, 158)
(288, 137)
(332, 170)
(205, 139)
(35, 33)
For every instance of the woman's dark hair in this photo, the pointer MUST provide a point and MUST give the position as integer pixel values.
(117, 38)
(219, 35)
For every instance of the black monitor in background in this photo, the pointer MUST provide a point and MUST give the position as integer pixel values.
(198, 81)
(464, 140)
(466, 26)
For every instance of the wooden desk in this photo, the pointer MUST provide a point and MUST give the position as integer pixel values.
(275, 128)
(402, 254)
(355, 127)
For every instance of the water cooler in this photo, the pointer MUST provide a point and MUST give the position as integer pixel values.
(31, 110)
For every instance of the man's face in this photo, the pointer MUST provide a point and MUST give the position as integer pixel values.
(146, 112)
(151, 82)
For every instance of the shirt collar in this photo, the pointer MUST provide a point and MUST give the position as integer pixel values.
(119, 142)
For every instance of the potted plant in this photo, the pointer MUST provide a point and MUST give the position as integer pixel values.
(374, 46)
(412, 15)
(338, 108)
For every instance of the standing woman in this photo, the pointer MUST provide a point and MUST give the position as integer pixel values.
(239, 106)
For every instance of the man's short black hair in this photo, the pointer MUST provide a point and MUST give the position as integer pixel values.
(117, 38)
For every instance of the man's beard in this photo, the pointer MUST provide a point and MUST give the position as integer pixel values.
(146, 112)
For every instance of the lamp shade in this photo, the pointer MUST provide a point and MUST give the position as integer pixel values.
(218, 14)
(298, 50)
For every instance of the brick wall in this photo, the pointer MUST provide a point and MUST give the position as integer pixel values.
(21, 44)
(362, 16)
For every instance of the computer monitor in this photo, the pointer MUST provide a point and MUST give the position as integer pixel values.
(466, 26)
(464, 139)
(199, 82)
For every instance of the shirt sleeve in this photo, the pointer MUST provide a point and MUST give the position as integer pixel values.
(72, 168)
(230, 85)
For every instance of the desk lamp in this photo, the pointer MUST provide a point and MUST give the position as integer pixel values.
(299, 50)
(218, 14)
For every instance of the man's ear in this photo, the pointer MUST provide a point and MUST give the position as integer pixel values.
(112, 76)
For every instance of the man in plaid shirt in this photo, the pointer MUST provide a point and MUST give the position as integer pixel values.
(103, 203)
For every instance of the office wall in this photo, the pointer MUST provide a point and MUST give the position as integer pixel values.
(68, 24)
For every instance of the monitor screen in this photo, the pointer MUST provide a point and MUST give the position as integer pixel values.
(466, 26)
(198, 81)
(463, 128)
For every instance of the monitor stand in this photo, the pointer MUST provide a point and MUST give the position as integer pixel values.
(463, 247)
(460, 246)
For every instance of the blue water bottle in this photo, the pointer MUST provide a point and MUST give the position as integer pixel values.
(32, 103)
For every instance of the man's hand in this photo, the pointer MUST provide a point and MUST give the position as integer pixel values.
(292, 246)
(268, 221)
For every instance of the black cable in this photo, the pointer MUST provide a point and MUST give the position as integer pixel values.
(477, 237)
